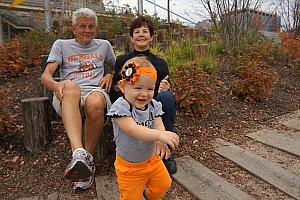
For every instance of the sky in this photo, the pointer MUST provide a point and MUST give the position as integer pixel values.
(183, 8)
(191, 10)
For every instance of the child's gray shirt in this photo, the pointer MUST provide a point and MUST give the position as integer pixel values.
(128, 147)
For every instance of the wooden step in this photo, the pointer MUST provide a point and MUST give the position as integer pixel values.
(262, 168)
(107, 188)
(275, 139)
(293, 123)
(205, 184)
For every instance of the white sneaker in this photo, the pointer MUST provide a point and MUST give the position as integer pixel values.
(80, 168)
(88, 182)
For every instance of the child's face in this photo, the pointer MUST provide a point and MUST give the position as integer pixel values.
(141, 92)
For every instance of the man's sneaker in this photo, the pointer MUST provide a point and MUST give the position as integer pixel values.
(171, 165)
(79, 168)
(87, 183)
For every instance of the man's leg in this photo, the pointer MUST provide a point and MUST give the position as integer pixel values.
(70, 113)
(79, 168)
(168, 102)
(95, 105)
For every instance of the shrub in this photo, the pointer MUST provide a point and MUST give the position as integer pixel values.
(290, 45)
(255, 77)
(157, 50)
(178, 54)
(255, 84)
(208, 64)
(23, 51)
(33, 45)
(10, 56)
(216, 48)
(192, 89)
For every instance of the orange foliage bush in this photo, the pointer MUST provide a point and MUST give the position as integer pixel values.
(255, 84)
(193, 90)
(10, 57)
(23, 51)
(290, 45)
(255, 76)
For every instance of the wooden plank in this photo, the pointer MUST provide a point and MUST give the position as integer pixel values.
(107, 188)
(293, 123)
(274, 138)
(205, 184)
(263, 168)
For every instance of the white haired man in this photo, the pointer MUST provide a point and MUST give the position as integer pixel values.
(82, 91)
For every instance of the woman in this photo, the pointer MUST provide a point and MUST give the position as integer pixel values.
(141, 33)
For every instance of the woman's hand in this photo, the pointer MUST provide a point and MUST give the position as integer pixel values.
(164, 85)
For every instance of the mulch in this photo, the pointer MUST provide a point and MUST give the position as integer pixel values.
(24, 174)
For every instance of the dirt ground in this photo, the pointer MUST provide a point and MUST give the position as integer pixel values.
(25, 174)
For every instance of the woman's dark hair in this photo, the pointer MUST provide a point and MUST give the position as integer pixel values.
(139, 22)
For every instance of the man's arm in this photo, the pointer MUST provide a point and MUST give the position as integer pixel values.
(47, 76)
(50, 83)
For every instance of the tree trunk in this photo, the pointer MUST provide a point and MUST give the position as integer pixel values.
(36, 123)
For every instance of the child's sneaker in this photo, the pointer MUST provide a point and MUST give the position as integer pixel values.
(87, 183)
(79, 168)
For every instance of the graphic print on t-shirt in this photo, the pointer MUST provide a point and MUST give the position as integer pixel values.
(86, 65)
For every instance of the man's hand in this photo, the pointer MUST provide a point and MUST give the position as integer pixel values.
(162, 150)
(106, 82)
(164, 85)
(59, 90)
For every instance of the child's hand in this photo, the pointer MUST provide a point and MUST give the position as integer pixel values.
(170, 138)
(162, 150)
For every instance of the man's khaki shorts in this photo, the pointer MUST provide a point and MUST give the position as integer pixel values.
(85, 91)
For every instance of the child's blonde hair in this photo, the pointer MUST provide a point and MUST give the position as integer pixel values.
(136, 66)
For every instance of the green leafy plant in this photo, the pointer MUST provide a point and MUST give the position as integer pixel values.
(216, 48)
(179, 54)
(208, 64)
(157, 50)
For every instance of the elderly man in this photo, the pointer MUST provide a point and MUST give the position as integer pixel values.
(82, 90)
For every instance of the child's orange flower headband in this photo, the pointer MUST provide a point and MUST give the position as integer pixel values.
(132, 72)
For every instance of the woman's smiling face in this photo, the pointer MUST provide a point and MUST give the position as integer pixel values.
(141, 38)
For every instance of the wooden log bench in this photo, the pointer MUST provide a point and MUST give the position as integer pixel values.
(38, 114)
(36, 123)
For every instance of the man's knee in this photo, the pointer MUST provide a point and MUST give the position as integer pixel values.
(95, 105)
(71, 88)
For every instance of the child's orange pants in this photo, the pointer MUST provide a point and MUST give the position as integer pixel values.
(134, 177)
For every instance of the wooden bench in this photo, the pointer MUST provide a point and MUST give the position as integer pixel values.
(36, 137)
